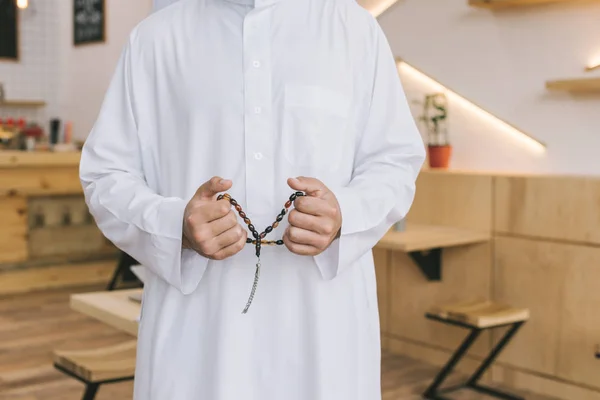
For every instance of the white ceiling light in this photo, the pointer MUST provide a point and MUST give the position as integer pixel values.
(22, 4)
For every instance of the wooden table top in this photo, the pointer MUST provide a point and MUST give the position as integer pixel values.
(420, 237)
(114, 308)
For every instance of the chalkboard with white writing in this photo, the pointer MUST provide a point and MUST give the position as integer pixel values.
(9, 37)
(89, 24)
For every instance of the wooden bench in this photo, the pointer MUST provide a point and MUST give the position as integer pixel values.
(477, 316)
(98, 366)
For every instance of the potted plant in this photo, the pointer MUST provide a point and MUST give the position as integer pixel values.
(435, 113)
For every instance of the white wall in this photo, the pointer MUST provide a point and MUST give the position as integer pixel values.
(72, 80)
(501, 60)
(86, 70)
(33, 76)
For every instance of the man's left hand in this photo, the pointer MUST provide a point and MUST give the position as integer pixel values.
(316, 219)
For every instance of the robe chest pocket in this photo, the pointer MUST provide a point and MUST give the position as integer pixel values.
(315, 125)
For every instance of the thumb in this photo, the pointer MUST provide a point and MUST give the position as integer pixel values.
(211, 188)
(311, 186)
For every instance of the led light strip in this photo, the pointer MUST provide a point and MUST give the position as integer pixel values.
(377, 7)
(528, 141)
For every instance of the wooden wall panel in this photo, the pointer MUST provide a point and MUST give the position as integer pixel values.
(556, 282)
(451, 199)
(580, 316)
(381, 258)
(13, 229)
(562, 208)
(466, 274)
(544, 385)
(39, 181)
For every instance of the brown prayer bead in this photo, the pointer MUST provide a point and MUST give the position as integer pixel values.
(258, 238)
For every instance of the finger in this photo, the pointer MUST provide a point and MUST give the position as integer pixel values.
(311, 186)
(300, 249)
(305, 221)
(223, 224)
(314, 206)
(231, 249)
(208, 212)
(224, 240)
(304, 237)
(211, 188)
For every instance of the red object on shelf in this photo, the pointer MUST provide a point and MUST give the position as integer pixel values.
(439, 156)
(33, 131)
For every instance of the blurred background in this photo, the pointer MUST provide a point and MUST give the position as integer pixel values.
(502, 244)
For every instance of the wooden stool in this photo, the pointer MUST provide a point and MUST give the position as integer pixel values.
(99, 366)
(476, 316)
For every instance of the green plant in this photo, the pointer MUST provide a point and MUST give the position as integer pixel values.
(435, 114)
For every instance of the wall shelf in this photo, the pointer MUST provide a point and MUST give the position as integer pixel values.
(23, 103)
(579, 85)
(494, 4)
(424, 244)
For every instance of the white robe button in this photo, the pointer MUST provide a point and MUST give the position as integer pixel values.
(256, 64)
(258, 156)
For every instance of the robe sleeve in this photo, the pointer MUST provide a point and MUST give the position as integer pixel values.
(388, 159)
(140, 222)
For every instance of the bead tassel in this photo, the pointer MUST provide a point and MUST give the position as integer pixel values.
(258, 241)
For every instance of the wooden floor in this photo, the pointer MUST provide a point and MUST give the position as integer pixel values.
(32, 325)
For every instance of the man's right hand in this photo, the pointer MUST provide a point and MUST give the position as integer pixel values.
(210, 227)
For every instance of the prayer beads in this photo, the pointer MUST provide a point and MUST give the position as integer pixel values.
(258, 241)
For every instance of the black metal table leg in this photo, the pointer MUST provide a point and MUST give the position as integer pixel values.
(474, 379)
(494, 353)
(433, 390)
(122, 271)
(90, 391)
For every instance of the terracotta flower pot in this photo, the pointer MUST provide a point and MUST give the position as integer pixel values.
(439, 156)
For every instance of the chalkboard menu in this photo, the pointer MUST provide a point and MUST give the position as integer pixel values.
(88, 21)
(9, 36)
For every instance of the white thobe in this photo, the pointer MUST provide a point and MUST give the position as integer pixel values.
(256, 92)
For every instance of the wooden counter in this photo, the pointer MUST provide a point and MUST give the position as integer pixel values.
(20, 159)
(45, 221)
(421, 237)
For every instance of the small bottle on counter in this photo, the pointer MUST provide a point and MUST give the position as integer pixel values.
(68, 132)
(54, 131)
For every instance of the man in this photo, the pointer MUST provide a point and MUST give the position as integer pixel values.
(259, 99)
